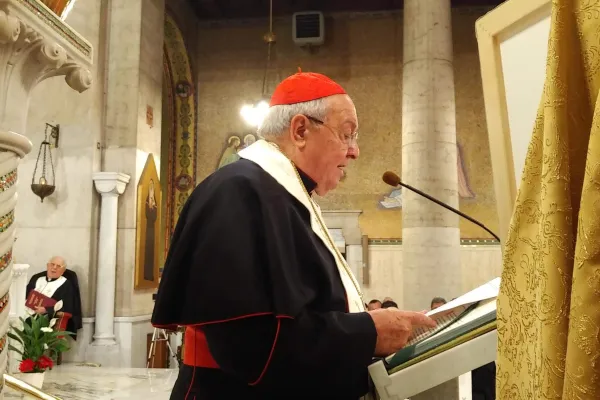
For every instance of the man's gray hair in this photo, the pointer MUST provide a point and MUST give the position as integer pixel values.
(278, 118)
(64, 262)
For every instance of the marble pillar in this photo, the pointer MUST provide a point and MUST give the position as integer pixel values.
(18, 288)
(110, 185)
(430, 233)
(34, 45)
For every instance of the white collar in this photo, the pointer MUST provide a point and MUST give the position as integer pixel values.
(276, 164)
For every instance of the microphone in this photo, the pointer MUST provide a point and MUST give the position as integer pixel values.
(393, 179)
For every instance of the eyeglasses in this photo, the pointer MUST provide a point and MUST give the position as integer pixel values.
(348, 139)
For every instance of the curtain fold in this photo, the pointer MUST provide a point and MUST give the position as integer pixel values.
(549, 303)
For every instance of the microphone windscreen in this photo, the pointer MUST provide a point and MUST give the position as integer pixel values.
(391, 178)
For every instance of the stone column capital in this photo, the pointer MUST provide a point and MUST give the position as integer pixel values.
(20, 269)
(110, 183)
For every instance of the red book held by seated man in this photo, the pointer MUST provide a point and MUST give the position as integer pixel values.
(36, 299)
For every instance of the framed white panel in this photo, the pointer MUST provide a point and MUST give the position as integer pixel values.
(513, 45)
(524, 67)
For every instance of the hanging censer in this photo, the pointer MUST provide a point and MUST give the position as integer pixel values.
(43, 187)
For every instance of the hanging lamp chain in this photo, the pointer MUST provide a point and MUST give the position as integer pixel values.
(271, 40)
(45, 152)
(45, 143)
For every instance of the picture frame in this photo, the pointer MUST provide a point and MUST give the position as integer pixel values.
(148, 209)
(512, 90)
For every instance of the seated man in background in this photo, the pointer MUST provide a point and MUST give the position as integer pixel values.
(52, 284)
(389, 303)
(437, 302)
(374, 305)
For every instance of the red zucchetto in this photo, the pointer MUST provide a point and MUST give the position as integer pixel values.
(304, 86)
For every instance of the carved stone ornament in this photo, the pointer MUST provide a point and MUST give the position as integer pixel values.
(35, 45)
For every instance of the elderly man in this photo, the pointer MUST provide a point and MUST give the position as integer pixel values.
(51, 283)
(271, 309)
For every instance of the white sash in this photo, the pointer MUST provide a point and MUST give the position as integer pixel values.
(48, 288)
(273, 162)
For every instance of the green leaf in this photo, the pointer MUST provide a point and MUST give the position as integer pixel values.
(15, 337)
(13, 348)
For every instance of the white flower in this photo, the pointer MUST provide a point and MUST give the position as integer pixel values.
(47, 330)
(45, 346)
(53, 321)
(58, 306)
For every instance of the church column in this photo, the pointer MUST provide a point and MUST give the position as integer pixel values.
(110, 185)
(18, 290)
(430, 234)
(34, 45)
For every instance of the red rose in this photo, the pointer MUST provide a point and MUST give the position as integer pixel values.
(45, 362)
(26, 365)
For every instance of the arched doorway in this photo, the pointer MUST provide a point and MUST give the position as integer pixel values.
(179, 128)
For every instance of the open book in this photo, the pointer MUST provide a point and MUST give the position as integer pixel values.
(455, 318)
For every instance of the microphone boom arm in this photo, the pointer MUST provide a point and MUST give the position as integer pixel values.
(446, 206)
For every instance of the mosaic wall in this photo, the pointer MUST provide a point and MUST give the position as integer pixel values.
(180, 120)
(363, 52)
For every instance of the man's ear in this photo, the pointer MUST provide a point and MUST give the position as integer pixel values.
(298, 130)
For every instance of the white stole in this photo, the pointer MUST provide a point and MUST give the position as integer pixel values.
(273, 162)
(48, 288)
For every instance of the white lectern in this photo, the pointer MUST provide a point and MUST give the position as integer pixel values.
(436, 370)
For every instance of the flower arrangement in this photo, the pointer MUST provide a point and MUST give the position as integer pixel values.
(40, 343)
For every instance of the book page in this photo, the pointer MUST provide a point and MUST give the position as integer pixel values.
(485, 307)
(486, 291)
(442, 319)
(451, 311)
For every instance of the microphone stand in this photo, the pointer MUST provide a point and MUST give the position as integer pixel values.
(446, 206)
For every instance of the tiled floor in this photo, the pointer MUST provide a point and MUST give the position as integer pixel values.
(76, 382)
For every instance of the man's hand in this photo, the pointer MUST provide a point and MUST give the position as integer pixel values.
(394, 327)
(40, 310)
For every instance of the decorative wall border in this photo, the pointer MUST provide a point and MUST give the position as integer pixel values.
(183, 101)
(5, 260)
(345, 15)
(463, 242)
(7, 220)
(8, 180)
(4, 302)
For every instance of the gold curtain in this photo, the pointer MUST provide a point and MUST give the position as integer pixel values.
(549, 303)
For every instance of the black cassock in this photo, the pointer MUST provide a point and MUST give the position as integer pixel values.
(69, 293)
(483, 382)
(261, 296)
